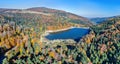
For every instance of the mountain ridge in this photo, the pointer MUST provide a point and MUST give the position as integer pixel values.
(48, 11)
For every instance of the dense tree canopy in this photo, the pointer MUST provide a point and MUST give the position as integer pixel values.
(21, 43)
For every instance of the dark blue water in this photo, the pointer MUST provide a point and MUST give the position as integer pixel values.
(1, 58)
(74, 33)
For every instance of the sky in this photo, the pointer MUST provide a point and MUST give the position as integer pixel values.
(86, 8)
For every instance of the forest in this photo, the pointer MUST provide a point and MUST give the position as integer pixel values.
(21, 42)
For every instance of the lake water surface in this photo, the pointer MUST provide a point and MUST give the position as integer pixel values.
(73, 33)
(1, 58)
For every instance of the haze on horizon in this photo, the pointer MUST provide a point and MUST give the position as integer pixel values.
(86, 8)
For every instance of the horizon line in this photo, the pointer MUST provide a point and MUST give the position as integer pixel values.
(61, 10)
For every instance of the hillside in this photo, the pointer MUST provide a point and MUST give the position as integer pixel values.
(104, 42)
(100, 46)
(53, 19)
(59, 13)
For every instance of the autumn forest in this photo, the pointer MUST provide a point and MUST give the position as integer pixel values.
(22, 38)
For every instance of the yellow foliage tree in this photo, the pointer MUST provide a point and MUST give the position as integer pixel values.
(52, 54)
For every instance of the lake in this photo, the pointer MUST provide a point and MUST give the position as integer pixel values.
(1, 58)
(73, 33)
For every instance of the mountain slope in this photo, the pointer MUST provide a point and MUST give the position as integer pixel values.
(47, 15)
(58, 12)
(103, 43)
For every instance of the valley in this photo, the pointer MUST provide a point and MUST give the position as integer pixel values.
(73, 39)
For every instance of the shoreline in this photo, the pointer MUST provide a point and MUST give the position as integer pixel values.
(60, 30)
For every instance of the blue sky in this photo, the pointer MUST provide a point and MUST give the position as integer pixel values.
(86, 8)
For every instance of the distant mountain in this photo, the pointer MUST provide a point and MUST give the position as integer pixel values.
(46, 15)
(99, 20)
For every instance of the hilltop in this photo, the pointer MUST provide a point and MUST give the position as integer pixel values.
(52, 18)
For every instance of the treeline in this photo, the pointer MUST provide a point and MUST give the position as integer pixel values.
(51, 22)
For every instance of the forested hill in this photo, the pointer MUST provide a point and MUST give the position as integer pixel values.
(101, 46)
(104, 42)
(107, 28)
(53, 19)
(59, 13)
